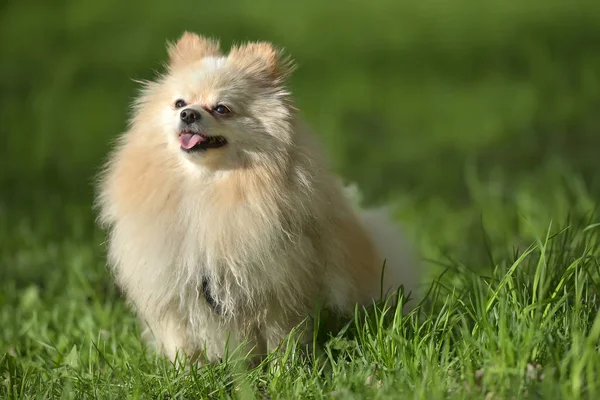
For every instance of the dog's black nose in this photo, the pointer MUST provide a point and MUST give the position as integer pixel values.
(189, 115)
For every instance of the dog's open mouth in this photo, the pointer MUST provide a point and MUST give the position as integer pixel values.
(194, 141)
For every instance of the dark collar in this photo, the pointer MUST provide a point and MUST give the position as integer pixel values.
(216, 307)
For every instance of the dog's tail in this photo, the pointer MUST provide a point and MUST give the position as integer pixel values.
(401, 265)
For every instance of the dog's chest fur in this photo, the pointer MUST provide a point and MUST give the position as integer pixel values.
(244, 252)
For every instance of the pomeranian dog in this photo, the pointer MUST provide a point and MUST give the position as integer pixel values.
(225, 225)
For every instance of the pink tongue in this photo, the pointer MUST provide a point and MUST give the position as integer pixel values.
(189, 140)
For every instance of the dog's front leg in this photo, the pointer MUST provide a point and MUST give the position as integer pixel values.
(171, 335)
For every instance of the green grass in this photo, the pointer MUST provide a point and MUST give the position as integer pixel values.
(478, 120)
(512, 323)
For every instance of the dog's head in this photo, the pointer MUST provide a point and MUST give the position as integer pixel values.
(222, 111)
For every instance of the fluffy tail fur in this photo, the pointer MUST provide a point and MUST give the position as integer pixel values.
(401, 265)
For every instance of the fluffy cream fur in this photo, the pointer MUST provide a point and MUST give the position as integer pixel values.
(262, 218)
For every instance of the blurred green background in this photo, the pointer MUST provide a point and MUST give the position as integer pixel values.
(457, 110)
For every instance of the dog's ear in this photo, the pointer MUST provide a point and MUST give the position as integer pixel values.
(262, 60)
(191, 47)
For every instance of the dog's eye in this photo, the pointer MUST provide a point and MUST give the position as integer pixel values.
(221, 109)
(179, 103)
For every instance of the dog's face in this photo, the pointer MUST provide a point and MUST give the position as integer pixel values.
(224, 111)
